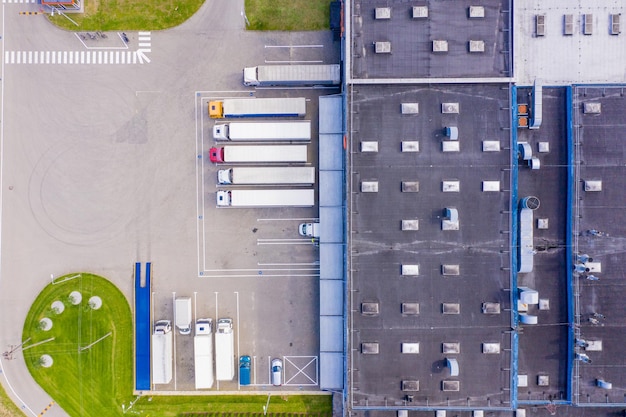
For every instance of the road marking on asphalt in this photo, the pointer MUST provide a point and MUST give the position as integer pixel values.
(75, 57)
(91, 56)
(294, 46)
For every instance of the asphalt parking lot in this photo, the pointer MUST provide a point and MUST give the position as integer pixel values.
(99, 171)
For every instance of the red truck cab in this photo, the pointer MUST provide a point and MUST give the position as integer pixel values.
(216, 154)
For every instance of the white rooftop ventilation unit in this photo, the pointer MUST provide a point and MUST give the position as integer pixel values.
(476, 12)
(410, 108)
(476, 46)
(450, 108)
(592, 108)
(420, 12)
(568, 25)
(587, 24)
(540, 25)
(382, 13)
(615, 29)
(440, 45)
(382, 47)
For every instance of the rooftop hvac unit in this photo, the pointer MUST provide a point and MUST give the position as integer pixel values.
(440, 45)
(369, 146)
(592, 108)
(369, 186)
(615, 30)
(568, 24)
(593, 185)
(450, 186)
(369, 348)
(491, 348)
(410, 108)
(411, 348)
(450, 385)
(450, 269)
(420, 12)
(476, 46)
(382, 13)
(540, 25)
(450, 108)
(410, 385)
(410, 270)
(410, 225)
(476, 12)
(450, 146)
(451, 347)
(587, 24)
(410, 309)
(491, 308)
(369, 308)
(382, 47)
(491, 146)
(410, 186)
(410, 146)
(451, 308)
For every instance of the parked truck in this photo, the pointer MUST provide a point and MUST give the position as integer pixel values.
(203, 353)
(257, 107)
(182, 314)
(244, 370)
(295, 75)
(162, 352)
(224, 350)
(260, 153)
(267, 131)
(266, 198)
(266, 175)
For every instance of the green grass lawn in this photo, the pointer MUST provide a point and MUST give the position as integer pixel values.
(84, 381)
(7, 407)
(97, 380)
(104, 15)
(288, 14)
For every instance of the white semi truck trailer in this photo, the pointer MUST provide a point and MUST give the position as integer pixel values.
(266, 131)
(257, 107)
(292, 75)
(162, 352)
(224, 350)
(203, 353)
(261, 153)
(266, 198)
(266, 175)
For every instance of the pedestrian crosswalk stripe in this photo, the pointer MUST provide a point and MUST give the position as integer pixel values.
(120, 57)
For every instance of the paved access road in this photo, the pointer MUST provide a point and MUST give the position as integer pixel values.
(98, 153)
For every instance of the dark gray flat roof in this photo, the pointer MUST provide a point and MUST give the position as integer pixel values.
(411, 39)
(479, 248)
(602, 155)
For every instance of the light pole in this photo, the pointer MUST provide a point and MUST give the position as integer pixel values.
(267, 405)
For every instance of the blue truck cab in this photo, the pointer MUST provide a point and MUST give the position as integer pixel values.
(244, 370)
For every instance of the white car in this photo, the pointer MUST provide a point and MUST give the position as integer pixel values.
(277, 372)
